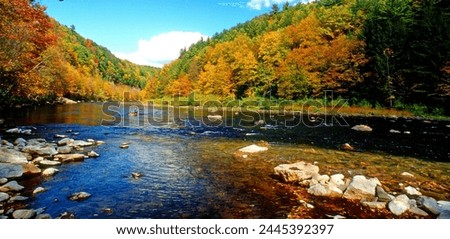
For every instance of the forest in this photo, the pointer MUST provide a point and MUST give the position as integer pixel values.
(386, 53)
(41, 60)
(380, 53)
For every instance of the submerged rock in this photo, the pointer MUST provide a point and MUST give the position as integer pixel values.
(296, 172)
(253, 149)
(362, 188)
(79, 196)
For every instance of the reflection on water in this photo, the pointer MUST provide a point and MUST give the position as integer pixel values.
(190, 172)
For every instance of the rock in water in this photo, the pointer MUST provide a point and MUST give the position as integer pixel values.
(347, 147)
(136, 175)
(79, 196)
(39, 190)
(399, 205)
(361, 188)
(24, 214)
(12, 186)
(253, 149)
(296, 172)
(362, 128)
(3, 197)
(93, 154)
(10, 170)
(50, 172)
(215, 117)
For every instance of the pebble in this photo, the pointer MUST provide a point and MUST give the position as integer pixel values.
(93, 154)
(3, 181)
(3, 196)
(124, 146)
(18, 198)
(412, 191)
(24, 214)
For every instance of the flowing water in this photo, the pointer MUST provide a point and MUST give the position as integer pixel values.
(189, 165)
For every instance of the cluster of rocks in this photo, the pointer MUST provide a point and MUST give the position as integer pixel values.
(367, 191)
(33, 158)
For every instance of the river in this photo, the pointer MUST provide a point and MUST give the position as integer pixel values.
(189, 165)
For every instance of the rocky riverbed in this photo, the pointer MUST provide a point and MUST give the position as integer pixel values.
(358, 196)
(36, 157)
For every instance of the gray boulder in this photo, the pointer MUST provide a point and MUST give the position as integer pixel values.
(64, 142)
(12, 186)
(361, 188)
(3, 181)
(10, 170)
(296, 172)
(12, 156)
(399, 205)
(428, 204)
(41, 151)
(444, 208)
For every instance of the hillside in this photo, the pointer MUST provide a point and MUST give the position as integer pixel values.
(386, 53)
(40, 60)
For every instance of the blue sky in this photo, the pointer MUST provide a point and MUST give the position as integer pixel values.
(151, 32)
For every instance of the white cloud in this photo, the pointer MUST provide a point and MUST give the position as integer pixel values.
(259, 4)
(162, 48)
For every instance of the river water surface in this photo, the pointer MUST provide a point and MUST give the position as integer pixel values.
(189, 165)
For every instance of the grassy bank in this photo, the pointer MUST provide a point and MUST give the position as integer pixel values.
(311, 106)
